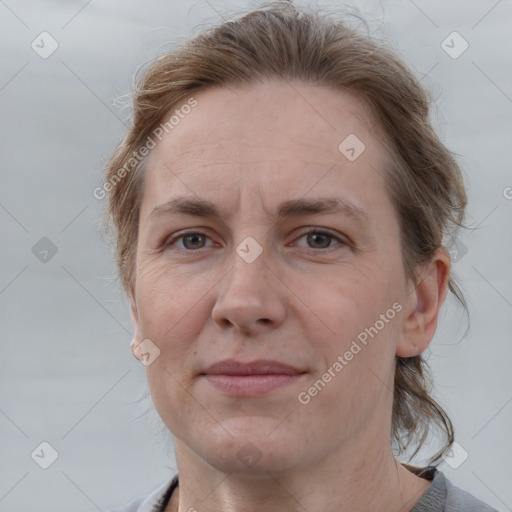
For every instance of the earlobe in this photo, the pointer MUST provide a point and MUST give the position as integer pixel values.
(424, 305)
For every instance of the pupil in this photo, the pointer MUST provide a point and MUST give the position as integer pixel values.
(194, 238)
(315, 235)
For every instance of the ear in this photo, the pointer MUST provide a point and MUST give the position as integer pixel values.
(423, 305)
(134, 314)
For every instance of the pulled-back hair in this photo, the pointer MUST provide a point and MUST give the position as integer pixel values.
(279, 41)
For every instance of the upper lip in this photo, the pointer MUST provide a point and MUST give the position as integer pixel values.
(259, 367)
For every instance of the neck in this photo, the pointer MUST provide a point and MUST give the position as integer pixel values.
(356, 481)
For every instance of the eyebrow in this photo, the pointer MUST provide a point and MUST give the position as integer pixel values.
(290, 208)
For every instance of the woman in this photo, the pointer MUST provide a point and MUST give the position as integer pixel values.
(289, 373)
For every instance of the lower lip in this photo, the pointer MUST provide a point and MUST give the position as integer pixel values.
(246, 385)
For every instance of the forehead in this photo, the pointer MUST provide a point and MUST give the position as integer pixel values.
(277, 136)
(318, 117)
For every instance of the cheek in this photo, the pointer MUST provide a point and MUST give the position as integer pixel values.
(350, 298)
(166, 294)
(361, 320)
(173, 308)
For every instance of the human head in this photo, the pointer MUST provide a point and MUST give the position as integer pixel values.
(423, 179)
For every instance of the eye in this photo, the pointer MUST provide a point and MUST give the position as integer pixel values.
(192, 240)
(321, 240)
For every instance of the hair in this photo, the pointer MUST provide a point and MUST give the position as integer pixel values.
(279, 41)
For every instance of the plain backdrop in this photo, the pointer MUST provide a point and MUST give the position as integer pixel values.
(67, 377)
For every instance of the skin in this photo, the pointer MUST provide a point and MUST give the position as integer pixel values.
(247, 150)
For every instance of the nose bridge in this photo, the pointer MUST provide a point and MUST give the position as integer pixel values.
(246, 297)
(248, 264)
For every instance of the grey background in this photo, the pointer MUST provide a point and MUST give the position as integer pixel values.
(67, 376)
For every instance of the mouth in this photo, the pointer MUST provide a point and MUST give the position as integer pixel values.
(254, 378)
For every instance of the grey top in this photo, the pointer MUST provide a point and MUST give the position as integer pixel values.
(441, 496)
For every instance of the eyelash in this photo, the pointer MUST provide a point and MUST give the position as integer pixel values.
(171, 241)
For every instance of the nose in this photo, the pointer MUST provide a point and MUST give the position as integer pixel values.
(250, 297)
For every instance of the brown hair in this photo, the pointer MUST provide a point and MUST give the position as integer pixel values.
(279, 41)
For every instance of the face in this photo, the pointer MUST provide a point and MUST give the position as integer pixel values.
(295, 258)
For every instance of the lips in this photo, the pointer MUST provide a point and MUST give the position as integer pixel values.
(237, 379)
(259, 367)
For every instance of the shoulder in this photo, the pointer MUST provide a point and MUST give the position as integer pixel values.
(458, 500)
(153, 501)
(443, 496)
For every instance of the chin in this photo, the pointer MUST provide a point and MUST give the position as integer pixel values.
(250, 462)
(250, 450)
